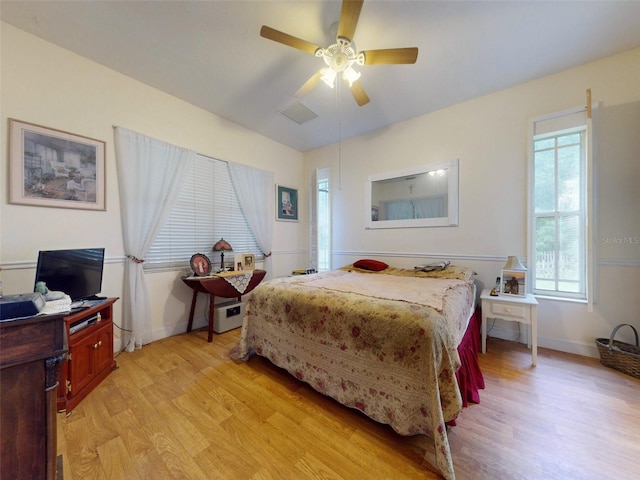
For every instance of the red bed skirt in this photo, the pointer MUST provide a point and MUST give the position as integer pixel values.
(469, 375)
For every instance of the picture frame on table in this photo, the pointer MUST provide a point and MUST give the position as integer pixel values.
(54, 168)
(244, 262)
(286, 204)
(200, 265)
(513, 283)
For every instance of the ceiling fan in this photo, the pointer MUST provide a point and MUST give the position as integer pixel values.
(342, 55)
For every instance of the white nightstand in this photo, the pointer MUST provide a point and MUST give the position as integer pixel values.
(513, 309)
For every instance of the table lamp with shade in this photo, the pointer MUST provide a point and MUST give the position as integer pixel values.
(514, 263)
(514, 277)
(222, 246)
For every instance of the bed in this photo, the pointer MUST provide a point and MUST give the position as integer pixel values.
(389, 342)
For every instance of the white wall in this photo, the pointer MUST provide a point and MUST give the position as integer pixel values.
(489, 136)
(43, 84)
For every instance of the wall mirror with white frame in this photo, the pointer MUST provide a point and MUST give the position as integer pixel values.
(422, 196)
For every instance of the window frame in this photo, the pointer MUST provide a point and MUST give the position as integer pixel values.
(583, 211)
(323, 227)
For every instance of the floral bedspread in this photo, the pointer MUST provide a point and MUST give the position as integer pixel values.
(392, 358)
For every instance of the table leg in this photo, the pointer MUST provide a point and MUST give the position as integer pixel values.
(484, 328)
(212, 310)
(192, 310)
(534, 335)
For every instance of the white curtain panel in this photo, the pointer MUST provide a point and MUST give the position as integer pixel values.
(150, 174)
(255, 191)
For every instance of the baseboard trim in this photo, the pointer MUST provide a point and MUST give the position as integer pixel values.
(179, 328)
(512, 335)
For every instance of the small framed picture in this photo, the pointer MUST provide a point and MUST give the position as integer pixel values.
(244, 262)
(200, 264)
(513, 282)
(53, 168)
(286, 204)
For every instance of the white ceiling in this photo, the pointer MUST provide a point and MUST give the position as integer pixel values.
(210, 54)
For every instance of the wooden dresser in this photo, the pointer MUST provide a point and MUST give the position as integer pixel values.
(31, 352)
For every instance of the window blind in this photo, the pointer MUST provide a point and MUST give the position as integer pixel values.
(207, 209)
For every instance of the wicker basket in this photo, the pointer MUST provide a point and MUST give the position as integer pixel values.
(619, 355)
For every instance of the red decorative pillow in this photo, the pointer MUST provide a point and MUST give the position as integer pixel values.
(368, 264)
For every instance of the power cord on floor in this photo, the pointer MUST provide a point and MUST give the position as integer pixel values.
(128, 343)
(491, 327)
(513, 340)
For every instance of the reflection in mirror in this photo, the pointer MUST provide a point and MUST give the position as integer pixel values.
(425, 196)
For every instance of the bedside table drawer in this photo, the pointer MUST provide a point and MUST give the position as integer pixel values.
(508, 310)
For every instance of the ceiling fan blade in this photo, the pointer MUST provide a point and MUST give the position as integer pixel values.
(349, 15)
(289, 40)
(357, 90)
(390, 56)
(309, 85)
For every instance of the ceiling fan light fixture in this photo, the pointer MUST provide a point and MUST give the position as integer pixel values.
(350, 75)
(328, 76)
(339, 58)
(342, 55)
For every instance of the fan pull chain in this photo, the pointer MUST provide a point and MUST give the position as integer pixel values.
(337, 98)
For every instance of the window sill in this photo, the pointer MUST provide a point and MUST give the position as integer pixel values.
(560, 299)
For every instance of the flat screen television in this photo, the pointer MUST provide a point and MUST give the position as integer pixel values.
(76, 272)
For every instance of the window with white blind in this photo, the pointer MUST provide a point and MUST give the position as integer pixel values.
(207, 209)
(558, 210)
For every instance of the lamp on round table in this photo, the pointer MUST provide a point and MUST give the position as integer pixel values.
(222, 246)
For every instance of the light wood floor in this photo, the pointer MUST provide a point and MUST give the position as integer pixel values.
(181, 409)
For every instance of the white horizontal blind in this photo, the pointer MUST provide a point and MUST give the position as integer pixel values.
(559, 122)
(207, 209)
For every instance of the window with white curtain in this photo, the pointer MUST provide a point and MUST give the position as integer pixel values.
(207, 209)
(558, 210)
